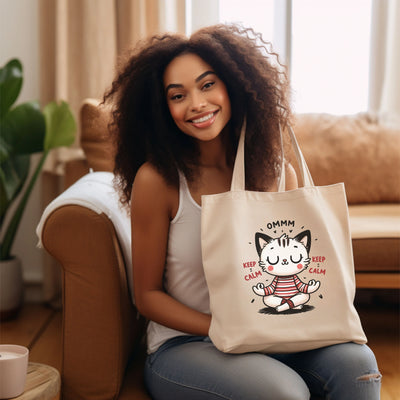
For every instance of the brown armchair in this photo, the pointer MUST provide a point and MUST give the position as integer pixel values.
(103, 347)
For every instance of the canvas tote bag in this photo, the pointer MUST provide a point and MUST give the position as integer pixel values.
(279, 265)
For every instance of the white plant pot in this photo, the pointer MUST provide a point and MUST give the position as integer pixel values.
(11, 288)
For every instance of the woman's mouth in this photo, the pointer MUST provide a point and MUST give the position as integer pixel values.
(204, 121)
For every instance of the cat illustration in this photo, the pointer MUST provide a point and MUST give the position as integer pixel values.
(284, 258)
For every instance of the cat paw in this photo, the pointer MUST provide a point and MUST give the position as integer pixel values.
(313, 286)
(259, 289)
(282, 307)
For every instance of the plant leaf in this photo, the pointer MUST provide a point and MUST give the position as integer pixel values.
(60, 125)
(5, 149)
(10, 84)
(12, 227)
(23, 128)
(13, 174)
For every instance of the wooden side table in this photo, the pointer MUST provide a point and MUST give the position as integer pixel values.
(42, 383)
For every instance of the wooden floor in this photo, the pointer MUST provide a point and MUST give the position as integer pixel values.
(39, 328)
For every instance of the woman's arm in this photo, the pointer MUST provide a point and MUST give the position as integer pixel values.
(152, 207)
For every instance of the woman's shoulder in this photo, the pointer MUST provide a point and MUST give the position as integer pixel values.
(149, 175)
(291, 177)
(150, 189)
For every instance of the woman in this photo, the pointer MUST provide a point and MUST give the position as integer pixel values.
(179, 107)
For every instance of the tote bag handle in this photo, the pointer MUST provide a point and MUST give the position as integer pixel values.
(238, 177)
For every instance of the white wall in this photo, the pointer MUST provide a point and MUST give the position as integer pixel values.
(19, 27)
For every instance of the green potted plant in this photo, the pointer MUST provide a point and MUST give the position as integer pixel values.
(25, 129)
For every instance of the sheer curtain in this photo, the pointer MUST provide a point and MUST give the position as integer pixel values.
(384, 98)
(80, 41)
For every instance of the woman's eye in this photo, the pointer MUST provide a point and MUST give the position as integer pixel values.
(293, 260)
(208, 85)
(176, 97)
(272, 261)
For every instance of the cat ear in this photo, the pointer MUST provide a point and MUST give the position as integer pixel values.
(305, 238)
(261, 240)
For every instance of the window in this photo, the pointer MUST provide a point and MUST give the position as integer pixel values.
(330, 55)
(257, 14)
(327, 44)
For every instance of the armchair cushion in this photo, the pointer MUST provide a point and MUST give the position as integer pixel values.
(96, 141)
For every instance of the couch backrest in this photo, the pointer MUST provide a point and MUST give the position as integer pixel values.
(353, 149)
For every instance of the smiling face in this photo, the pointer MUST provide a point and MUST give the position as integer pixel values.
(197, 99)
(284, 256)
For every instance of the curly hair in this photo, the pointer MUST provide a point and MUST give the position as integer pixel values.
(145, 131)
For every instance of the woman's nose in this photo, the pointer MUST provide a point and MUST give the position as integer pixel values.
(198, 102)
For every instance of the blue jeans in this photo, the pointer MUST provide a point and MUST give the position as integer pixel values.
(192, 368)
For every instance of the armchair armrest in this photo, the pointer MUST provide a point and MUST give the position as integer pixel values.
(100, 322)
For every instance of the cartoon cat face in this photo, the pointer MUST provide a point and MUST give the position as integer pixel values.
(284, 256)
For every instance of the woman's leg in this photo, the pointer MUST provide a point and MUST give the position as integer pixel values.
(345, 371)
(192, 368)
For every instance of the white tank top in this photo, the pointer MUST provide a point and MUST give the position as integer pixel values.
(184, 277)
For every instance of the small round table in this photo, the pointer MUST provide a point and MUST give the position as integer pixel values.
(42, 382)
